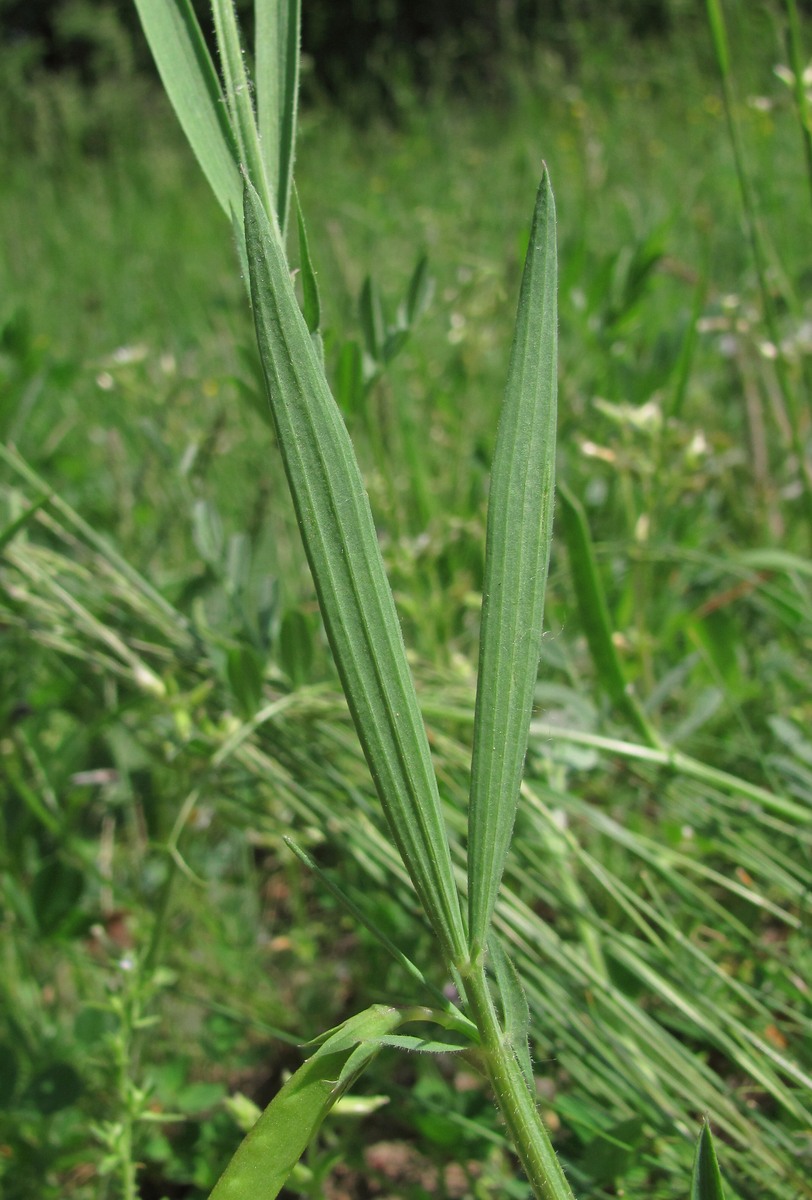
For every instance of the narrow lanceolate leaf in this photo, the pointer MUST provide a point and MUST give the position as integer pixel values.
(276, 57)
(311, 306)
(191, 82)
(719, 34)
(356, 601)
(273, 1147)
(239, 99)
(517, 552)
(594, 612)
(706, 1181)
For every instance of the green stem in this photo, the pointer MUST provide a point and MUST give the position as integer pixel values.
(516, 1102)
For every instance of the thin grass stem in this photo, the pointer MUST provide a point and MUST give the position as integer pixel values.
(796, 58)
(755, 237)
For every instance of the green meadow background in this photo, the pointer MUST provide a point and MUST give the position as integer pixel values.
(169, 712)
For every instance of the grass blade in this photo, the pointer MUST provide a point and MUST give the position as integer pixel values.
(706, 1181)
(791, 394)
(356, 601)
(798, 62)
(191, 82)
(517, 552)
(278, 27)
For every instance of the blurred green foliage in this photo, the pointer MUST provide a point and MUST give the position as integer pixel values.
(453, 41)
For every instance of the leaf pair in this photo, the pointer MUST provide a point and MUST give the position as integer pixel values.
(224, 130)
(340, 539)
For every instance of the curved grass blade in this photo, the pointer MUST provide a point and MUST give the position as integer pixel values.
(706, 1180)
(191, 82)
(520, 517)
(278, 31)
(359, 613)
(272, 1149)
(594, 613)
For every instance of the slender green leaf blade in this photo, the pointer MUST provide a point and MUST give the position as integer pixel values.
(706, 1180)
(716, 19)
(515, 1009)
(359, 613)
(191, 82)
(517, 552)
(404, 1041)
(271, 1150)
(373, 323)
(8, 534)
(310, 288)
(420, 291)
(240, 100)
(278, 24)
(594, 612)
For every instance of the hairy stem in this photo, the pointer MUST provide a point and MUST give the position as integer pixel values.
(516, 1102)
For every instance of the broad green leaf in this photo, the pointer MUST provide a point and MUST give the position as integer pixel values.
(594, 613)
(192, 85)
(706, 1180)
(356, 601)
(277, 82)
(271, 1150)
(520, 514)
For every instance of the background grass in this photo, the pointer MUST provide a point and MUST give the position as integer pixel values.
(155, 600)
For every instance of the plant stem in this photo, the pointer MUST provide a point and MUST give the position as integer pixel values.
(516, 1102)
